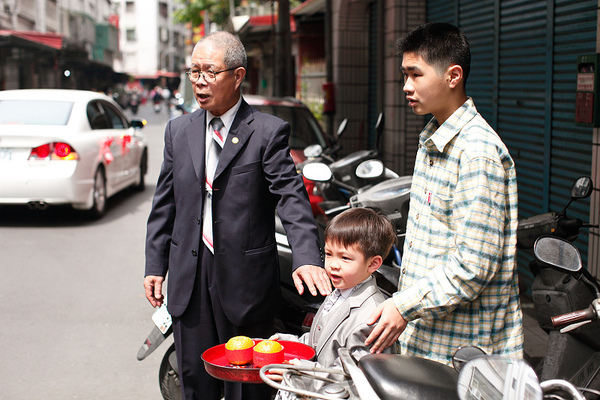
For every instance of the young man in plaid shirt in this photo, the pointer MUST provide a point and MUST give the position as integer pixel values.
(458, 284)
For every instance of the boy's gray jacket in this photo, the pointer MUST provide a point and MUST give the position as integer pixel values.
(344, 326)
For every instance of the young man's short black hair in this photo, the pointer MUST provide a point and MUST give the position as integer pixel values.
(440, 45)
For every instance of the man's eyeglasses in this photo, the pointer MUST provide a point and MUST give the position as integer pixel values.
(208, 75)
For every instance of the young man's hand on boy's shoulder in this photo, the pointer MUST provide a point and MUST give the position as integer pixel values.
(388, 329)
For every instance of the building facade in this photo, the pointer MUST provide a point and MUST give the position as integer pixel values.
(153, 47)
(57, 43)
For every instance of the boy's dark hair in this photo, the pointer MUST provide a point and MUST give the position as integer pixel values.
(440, 45)
(373, 233)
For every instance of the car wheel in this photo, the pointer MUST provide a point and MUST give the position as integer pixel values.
(99, 205)
(168, 378)
(141, 185)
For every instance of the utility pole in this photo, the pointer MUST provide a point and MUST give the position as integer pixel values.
(285, 81)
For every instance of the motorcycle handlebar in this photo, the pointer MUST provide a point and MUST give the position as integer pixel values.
(562, 320)
(570, 226)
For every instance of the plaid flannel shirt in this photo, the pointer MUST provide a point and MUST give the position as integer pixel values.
(458, 284)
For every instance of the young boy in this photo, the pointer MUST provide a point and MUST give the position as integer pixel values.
(356, 242)
(459, 283)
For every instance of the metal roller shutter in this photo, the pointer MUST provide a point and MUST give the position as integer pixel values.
(523, 82)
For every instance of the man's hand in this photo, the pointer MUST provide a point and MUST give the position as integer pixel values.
(314, 277)
(388, 330)
(153, 286)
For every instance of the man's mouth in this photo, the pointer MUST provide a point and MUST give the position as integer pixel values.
(411, 102)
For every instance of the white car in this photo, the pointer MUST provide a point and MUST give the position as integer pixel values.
(67, 147)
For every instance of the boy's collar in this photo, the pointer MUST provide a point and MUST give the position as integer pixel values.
(345, 293)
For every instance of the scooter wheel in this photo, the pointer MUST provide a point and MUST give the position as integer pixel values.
(168, 378)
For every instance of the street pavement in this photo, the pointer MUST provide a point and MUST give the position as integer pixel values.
(74, 312)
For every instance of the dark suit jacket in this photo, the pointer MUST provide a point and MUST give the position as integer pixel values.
(255, 176)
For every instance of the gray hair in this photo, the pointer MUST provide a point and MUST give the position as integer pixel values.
(234, 51)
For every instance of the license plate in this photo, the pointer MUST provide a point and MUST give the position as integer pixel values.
(162, 319)
(5, 154)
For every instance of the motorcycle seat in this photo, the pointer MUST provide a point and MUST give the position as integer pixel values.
(405, 377)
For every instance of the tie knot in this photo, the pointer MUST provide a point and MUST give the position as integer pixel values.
(217, 124)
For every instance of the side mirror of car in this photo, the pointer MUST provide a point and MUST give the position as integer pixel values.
(138, 124)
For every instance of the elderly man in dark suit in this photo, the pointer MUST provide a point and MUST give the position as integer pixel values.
(212, 222)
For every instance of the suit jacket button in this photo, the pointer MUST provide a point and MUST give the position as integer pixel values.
(194, 253)
(198, 220)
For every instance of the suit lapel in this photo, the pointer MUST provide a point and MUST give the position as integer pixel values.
(195, 133)
(340, 314)
(237, 136)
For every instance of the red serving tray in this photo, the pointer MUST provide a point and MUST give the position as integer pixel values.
(216, 364)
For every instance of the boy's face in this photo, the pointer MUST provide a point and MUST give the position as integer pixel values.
(347, 266)
(426, 87)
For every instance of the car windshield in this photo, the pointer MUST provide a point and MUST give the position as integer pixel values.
(35, 112)
(305, 128)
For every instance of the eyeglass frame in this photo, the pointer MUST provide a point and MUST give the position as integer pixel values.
(201, 74)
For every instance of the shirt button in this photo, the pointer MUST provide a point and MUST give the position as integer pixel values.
(430, 162)
(403, 270)
(410, 244)
(417, 216)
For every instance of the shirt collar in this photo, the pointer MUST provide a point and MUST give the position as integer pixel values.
(345, 293)
(438, 136)
(226, 118)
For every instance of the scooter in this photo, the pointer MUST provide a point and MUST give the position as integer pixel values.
(474, 376)
(134, 102)
(346, 182)
(556, 292)
(574, 342)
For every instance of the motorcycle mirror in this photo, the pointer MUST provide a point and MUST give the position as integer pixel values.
(494, 377)
(341, 128)
(318, 172)
(582, 188)
(465, 354)
(370, 169)
(380, 123)
(557, 253)
(312, 151)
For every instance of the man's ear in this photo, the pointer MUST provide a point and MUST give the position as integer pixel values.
(374, 264)
(454, 75)
(239, 73)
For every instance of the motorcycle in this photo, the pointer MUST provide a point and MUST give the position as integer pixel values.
(134, 102)
(574, 340)
(555, 292)
(474, 375)
(346, 182)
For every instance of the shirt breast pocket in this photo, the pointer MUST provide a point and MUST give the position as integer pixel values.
(440, 222)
